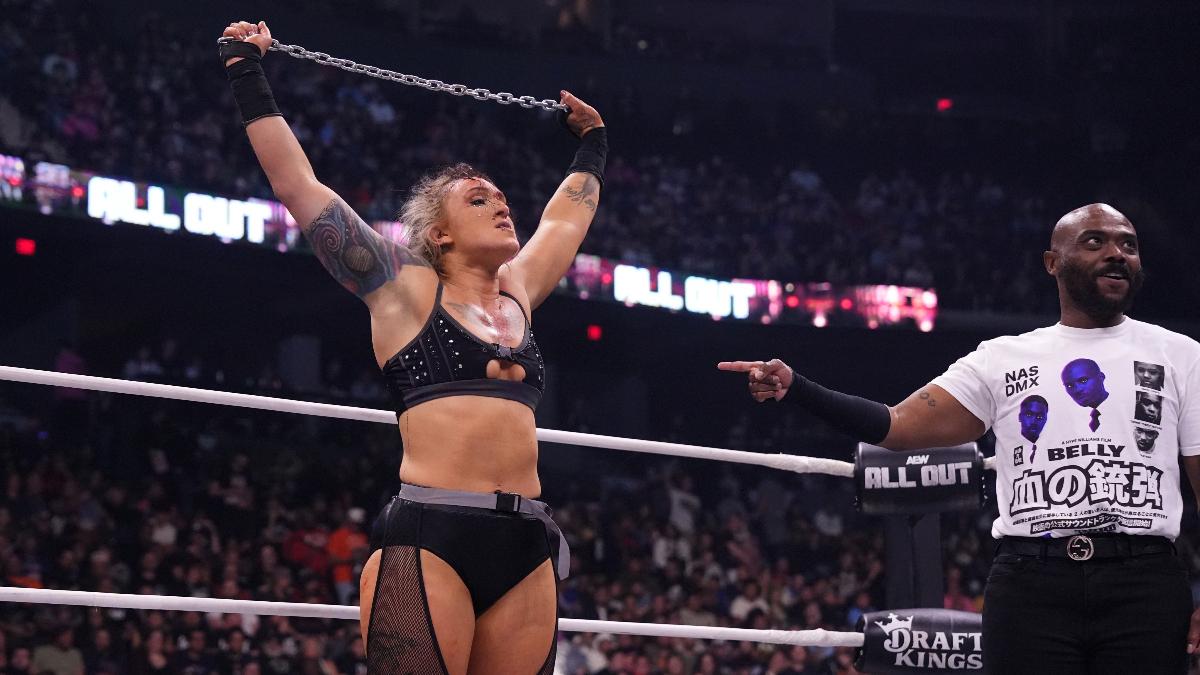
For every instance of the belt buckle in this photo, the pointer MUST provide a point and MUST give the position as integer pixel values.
(1080, 548)
(508, 501)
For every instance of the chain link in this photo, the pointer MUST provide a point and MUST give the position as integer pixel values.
(503, 97)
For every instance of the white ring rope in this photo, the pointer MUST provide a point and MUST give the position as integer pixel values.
(795, 463)
(806, 638)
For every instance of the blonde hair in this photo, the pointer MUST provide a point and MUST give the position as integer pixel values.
(425, 208)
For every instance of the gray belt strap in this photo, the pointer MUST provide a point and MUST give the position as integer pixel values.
(504, 502)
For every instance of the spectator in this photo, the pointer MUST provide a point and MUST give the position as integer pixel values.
(20, 663)
(749, 600)
(142, 367)
(103, 655)
(155, 655)
(347, 550)
(955, 597)
(60, 657)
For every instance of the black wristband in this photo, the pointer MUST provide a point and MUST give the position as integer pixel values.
(228, 48)
(863, 419)
(592, 154)
(251, 91)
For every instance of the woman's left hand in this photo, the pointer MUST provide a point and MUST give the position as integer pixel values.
(583, 117)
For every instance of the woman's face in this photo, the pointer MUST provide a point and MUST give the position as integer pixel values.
(478, 223)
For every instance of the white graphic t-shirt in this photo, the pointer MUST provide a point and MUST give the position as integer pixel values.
(1088, 425)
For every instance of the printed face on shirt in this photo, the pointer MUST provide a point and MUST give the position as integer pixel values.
(1084, 382)
(1034, 413)
(1148, 408)
(1145, 438)
(1149, 375)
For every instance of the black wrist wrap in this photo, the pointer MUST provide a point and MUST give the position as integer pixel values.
(864, 420)
(228, 48)
(250, 88)
(592, 154)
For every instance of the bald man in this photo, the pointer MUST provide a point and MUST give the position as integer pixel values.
(1085, 579)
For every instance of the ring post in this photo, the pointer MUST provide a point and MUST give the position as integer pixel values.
(910, 489)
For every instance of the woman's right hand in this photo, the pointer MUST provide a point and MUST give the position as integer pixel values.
(583, 117)
(256, 34)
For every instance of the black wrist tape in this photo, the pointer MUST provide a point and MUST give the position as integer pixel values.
(228, 49)
(251, 91)
(592, 154)
(864, 420)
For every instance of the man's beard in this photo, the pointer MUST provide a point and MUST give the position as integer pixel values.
(1083, 287)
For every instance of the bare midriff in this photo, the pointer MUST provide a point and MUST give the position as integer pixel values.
(471, 443)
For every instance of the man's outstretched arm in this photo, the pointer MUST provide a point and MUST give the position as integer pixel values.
(929, 418)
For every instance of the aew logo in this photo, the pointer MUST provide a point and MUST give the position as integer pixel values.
(929, 475)
(941, 649)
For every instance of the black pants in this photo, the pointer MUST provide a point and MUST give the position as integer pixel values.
(1117, 616)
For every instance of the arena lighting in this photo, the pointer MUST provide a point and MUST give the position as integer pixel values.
(111, 200)
(716, 297)
(595, 333)
(944, 104)
(60, 190)
(26, 247)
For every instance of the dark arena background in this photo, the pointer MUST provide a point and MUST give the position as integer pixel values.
(863, 188)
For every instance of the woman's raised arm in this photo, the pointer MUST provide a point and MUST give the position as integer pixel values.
(359, 258)
(568, 215)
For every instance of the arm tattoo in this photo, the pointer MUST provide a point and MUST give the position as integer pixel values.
(584, 194)
(359, 258)
(928, 398)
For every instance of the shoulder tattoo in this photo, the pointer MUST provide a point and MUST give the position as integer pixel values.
(358, 257)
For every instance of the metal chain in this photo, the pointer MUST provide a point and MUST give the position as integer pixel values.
(481, 94)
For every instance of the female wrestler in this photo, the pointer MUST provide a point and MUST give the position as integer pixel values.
(462, 578)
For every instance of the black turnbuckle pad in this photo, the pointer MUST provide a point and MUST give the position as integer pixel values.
(888, 482)
(927, 641)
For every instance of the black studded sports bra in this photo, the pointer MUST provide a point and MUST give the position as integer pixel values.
(446, 359)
